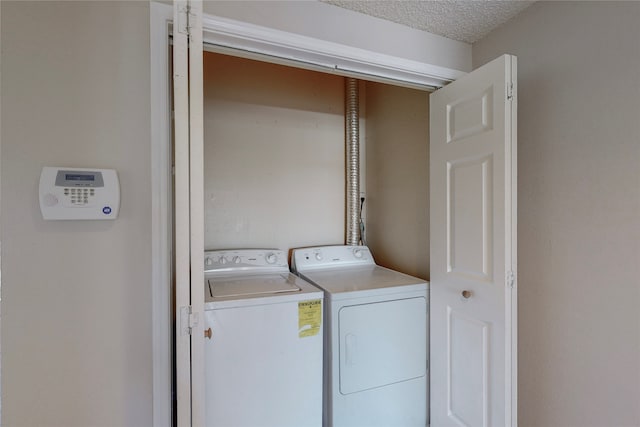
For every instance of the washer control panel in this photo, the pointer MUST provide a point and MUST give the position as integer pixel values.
(246, 260)
(331, 257)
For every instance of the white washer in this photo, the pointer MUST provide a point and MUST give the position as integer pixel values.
(264, 358)
(376, 338)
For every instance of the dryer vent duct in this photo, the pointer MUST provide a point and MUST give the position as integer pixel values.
(352, 126)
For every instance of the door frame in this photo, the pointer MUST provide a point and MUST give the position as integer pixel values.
(160, 18)
(236, 38)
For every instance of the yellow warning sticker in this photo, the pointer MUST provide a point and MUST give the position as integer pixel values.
(309, 317)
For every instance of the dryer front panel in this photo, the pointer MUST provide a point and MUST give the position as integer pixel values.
(382, 343)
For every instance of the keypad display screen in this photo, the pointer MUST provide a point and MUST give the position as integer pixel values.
(79, 177)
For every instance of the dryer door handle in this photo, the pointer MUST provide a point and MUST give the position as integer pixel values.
(350, 349)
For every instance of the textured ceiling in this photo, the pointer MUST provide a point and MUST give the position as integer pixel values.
(462, 20)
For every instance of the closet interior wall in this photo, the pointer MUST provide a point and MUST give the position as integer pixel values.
(397, 158)
(274, 160)
(273, 155)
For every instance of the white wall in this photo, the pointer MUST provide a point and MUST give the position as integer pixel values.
(397, 160)
(274, 155)
(579, 210)
(76, 304)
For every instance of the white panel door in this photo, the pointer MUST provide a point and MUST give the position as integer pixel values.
(473, 248)
(188, 215)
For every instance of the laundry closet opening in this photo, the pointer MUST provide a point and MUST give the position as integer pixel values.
(274, 161)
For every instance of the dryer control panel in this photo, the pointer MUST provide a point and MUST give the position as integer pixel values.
(331, 257)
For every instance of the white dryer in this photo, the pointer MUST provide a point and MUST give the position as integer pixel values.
(376, 338)
(263, 360)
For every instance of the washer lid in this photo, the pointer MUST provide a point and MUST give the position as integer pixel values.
(252, 285)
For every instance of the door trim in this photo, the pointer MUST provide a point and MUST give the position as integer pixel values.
(512, 294)
(161, 188)
(239, 38)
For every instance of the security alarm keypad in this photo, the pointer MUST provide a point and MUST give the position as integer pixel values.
(71, 193)
(79, 196)
(79, 188)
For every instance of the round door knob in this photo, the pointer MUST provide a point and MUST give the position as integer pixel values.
(271, 258)
(208, 333)
(466, 294)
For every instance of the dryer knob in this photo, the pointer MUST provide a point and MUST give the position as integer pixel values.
(357, 253)
(319, 256)
(208, 261)
(237, 259)
(271, 258)
(223, 260)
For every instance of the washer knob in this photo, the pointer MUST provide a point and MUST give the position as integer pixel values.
(271, 258)
(237, 259)
(319, 256)
(208, 261)
(223, 260)
(357, 253)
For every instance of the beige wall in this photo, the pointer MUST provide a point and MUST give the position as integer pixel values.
(397, 180)
(579, 210)
(76, 304)
(274, 155)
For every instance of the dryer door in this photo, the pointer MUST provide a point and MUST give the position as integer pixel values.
(382, 343)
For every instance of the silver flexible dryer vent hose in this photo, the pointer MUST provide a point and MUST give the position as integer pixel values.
(352, 125)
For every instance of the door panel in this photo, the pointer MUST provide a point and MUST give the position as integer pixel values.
(469, 219)
(181, 215)
(472, 248)
(470, 116)
(468, 369)
(188, 212)
(196, 210)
